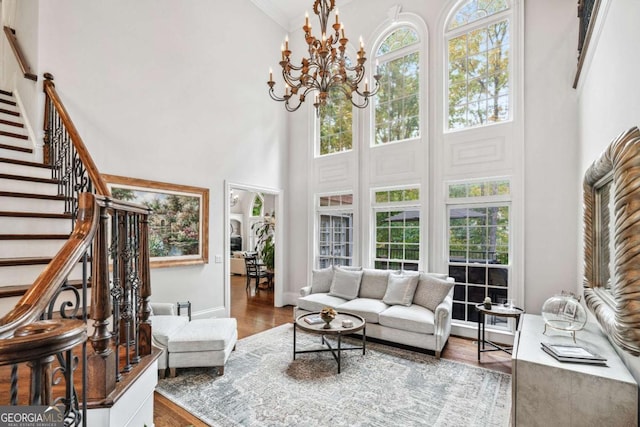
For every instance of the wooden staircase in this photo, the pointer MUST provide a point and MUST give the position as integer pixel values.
(33, 222)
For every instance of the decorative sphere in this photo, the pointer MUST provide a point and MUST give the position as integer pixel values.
(564, 312)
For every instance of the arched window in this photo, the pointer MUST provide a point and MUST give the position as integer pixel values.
(478, 36)
(258, 205)
(397, 104)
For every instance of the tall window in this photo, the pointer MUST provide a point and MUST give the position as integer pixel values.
(479, 249)
(478, 50)
(335, 230)
(397, 104)
(336, 120)
(397, 222)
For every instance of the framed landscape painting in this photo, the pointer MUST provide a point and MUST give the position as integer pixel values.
(179, 223)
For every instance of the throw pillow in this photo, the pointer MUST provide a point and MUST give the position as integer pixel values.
(431, 291)
(400, 289)
(345, 284)
(374, 283)
(321, 280)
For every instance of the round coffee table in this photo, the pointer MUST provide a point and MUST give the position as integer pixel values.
(336, 330)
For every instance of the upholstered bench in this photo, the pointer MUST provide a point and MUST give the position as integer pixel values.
(202, 343)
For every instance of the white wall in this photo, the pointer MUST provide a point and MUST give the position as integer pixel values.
(551, 151)
(175, 92)
(609, 93)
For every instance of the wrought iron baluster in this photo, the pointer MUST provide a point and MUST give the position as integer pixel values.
(14, 384)
(116, 289)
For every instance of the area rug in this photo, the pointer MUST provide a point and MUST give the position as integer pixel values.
(263, 386)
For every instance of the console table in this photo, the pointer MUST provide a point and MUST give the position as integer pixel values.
(548, 392)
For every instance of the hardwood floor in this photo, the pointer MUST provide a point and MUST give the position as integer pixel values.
(255, 313)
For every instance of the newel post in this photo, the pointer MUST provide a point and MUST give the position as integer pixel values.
(102, 363)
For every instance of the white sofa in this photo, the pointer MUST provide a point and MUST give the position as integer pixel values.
(408, 308)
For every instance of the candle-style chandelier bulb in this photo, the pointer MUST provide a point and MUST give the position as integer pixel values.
(326, 66)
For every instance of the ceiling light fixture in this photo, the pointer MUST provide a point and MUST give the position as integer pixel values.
(326, 68)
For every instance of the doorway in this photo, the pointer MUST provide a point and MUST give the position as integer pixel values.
(245, 205)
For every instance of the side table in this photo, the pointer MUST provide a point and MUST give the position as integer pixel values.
(495, 310)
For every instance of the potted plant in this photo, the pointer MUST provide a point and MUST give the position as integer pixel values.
(265, 245)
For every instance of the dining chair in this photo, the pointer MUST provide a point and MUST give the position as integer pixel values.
(255, 271)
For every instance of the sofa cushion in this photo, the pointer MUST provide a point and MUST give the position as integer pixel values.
(321, 280)
(203, 335)
(414, 318)
(431, 291)
(374, 283)
(350, 267)
(165, 326)
(316, 302)
(400, 289)
(367, 308)
(345, 284)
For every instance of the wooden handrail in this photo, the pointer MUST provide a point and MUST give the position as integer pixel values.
(98, 183)
(34, 302)
(17, 51)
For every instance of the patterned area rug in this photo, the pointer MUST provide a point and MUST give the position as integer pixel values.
(263, 386)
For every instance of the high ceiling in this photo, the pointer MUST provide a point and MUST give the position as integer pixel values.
(289, 13)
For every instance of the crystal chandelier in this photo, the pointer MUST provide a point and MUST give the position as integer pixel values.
(326, 68)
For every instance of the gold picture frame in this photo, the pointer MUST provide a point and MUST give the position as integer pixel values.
(179, 223)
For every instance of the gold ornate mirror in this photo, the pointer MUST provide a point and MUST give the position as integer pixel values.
(612, 240)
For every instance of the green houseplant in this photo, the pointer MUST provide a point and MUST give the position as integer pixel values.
(265, 245)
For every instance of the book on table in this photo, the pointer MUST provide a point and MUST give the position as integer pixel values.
(573, 353)
(314, 320)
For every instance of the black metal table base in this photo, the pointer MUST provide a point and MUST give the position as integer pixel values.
(483, 342)
(335, 352)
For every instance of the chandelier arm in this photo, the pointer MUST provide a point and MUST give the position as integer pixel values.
(364, 104)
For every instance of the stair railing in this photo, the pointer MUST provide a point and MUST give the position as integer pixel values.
(66, 152)
(110, 242)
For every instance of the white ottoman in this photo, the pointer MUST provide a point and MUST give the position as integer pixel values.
(202, 343)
